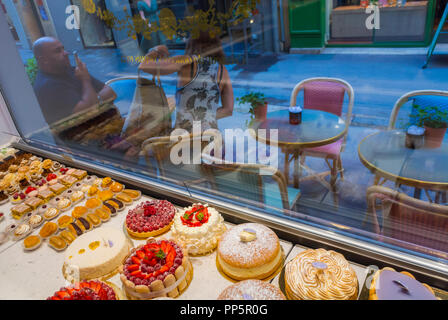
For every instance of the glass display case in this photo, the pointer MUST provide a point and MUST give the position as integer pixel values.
(182, 127)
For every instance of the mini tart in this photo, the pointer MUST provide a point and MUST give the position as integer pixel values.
(86, 290)
(134, 194)
(116, 187)
(106, 182)
(32, 243)
(388, 284)
(94, 219)
(51, 213)
(249, 251)
(252, 290)
(150, 218)
(105, 195)
(199, 227)
(93, 191)
(154, 267)
(104, 215)
(90, 179)
(79, 211)
(64, 221)
(22, 231)
(117, 204)
(93, 203)
(18, 198)
(49, 229)
(77, 196)
(63, 204)
(123, 197)
(58, 243)
(41, 210)
(36, 220)
(68, 236)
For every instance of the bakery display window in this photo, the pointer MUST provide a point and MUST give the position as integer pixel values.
(123, 166)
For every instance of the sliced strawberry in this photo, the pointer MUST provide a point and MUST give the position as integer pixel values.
(150, 255)
(140, 254)
(164, 269)
(70, 290)
(136, 273)
(163, 246)
(136, 260)
(156, 273)
(133, 267)
(84, 285)
(153, 262)
(63, 294)
(95, 286)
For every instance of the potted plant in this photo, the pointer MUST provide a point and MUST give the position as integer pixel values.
(434, 120)
(258, 105)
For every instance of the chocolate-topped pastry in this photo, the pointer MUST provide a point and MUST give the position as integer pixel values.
(3, 196)
(388, 284)
(83, 223)
(119, 205)
(111, 208)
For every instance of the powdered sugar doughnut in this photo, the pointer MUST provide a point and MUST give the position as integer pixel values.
(252, 290)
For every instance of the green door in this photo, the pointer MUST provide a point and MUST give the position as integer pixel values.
(307, 23)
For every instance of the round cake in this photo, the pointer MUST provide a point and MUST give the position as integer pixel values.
(252, 290)
(388, 284)
(158, 268)
(199, 227)
(150, 218)
(95, 254)
(88, 290)
(249, 251)
(320, 275)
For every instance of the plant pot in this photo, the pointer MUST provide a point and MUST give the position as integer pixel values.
(260, 112)
(434, 137)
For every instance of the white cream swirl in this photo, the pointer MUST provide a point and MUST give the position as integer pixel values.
(320, 275)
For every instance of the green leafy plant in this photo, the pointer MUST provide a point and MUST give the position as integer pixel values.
(255, 99)
(430, 116)
(31, 69)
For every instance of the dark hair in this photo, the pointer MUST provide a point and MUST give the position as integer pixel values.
(205, 46)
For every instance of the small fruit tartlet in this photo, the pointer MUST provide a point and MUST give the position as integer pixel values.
(158, 268)
(87, 290)
(150, 218)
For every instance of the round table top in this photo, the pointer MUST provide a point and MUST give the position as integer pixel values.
(385, 154)
(317, 128)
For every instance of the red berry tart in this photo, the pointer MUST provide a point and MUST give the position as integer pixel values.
(88, 290)
(150, 218)
(158, 268)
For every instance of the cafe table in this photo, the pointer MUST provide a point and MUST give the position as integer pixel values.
(386, 156)
(317, 128)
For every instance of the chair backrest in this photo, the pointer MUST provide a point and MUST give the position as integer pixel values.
(421, 95)
(243, 180)
(413, 221)
(325, 94)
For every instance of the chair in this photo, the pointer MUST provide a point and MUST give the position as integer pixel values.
(242, 180)
(422, 98)
(325, 94)
(408, 221)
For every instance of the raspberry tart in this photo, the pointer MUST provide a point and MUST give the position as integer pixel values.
(158, 268)
(88, 290)
(199, 227)
(150, 218)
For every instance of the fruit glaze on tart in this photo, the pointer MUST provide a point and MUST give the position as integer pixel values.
(95, 254)
(199, 227)
(252, 290)
(158, 268)
(88, 290)
(388, 284)
(320, 275)
(150, 218)
(249, 251)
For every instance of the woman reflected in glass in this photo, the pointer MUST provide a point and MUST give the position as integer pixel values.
(148, 11)
(203, 81)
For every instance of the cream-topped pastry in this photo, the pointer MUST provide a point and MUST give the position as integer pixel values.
(320, 275)
(199, 227)
(249, 251)
(95, 254)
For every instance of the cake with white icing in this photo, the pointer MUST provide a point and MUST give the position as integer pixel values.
(199, 228)
(95, 254)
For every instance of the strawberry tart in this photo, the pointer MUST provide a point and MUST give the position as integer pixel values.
(199, 227)
(150, 218)
(249, 251)
(87, 290)
(158, 268)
